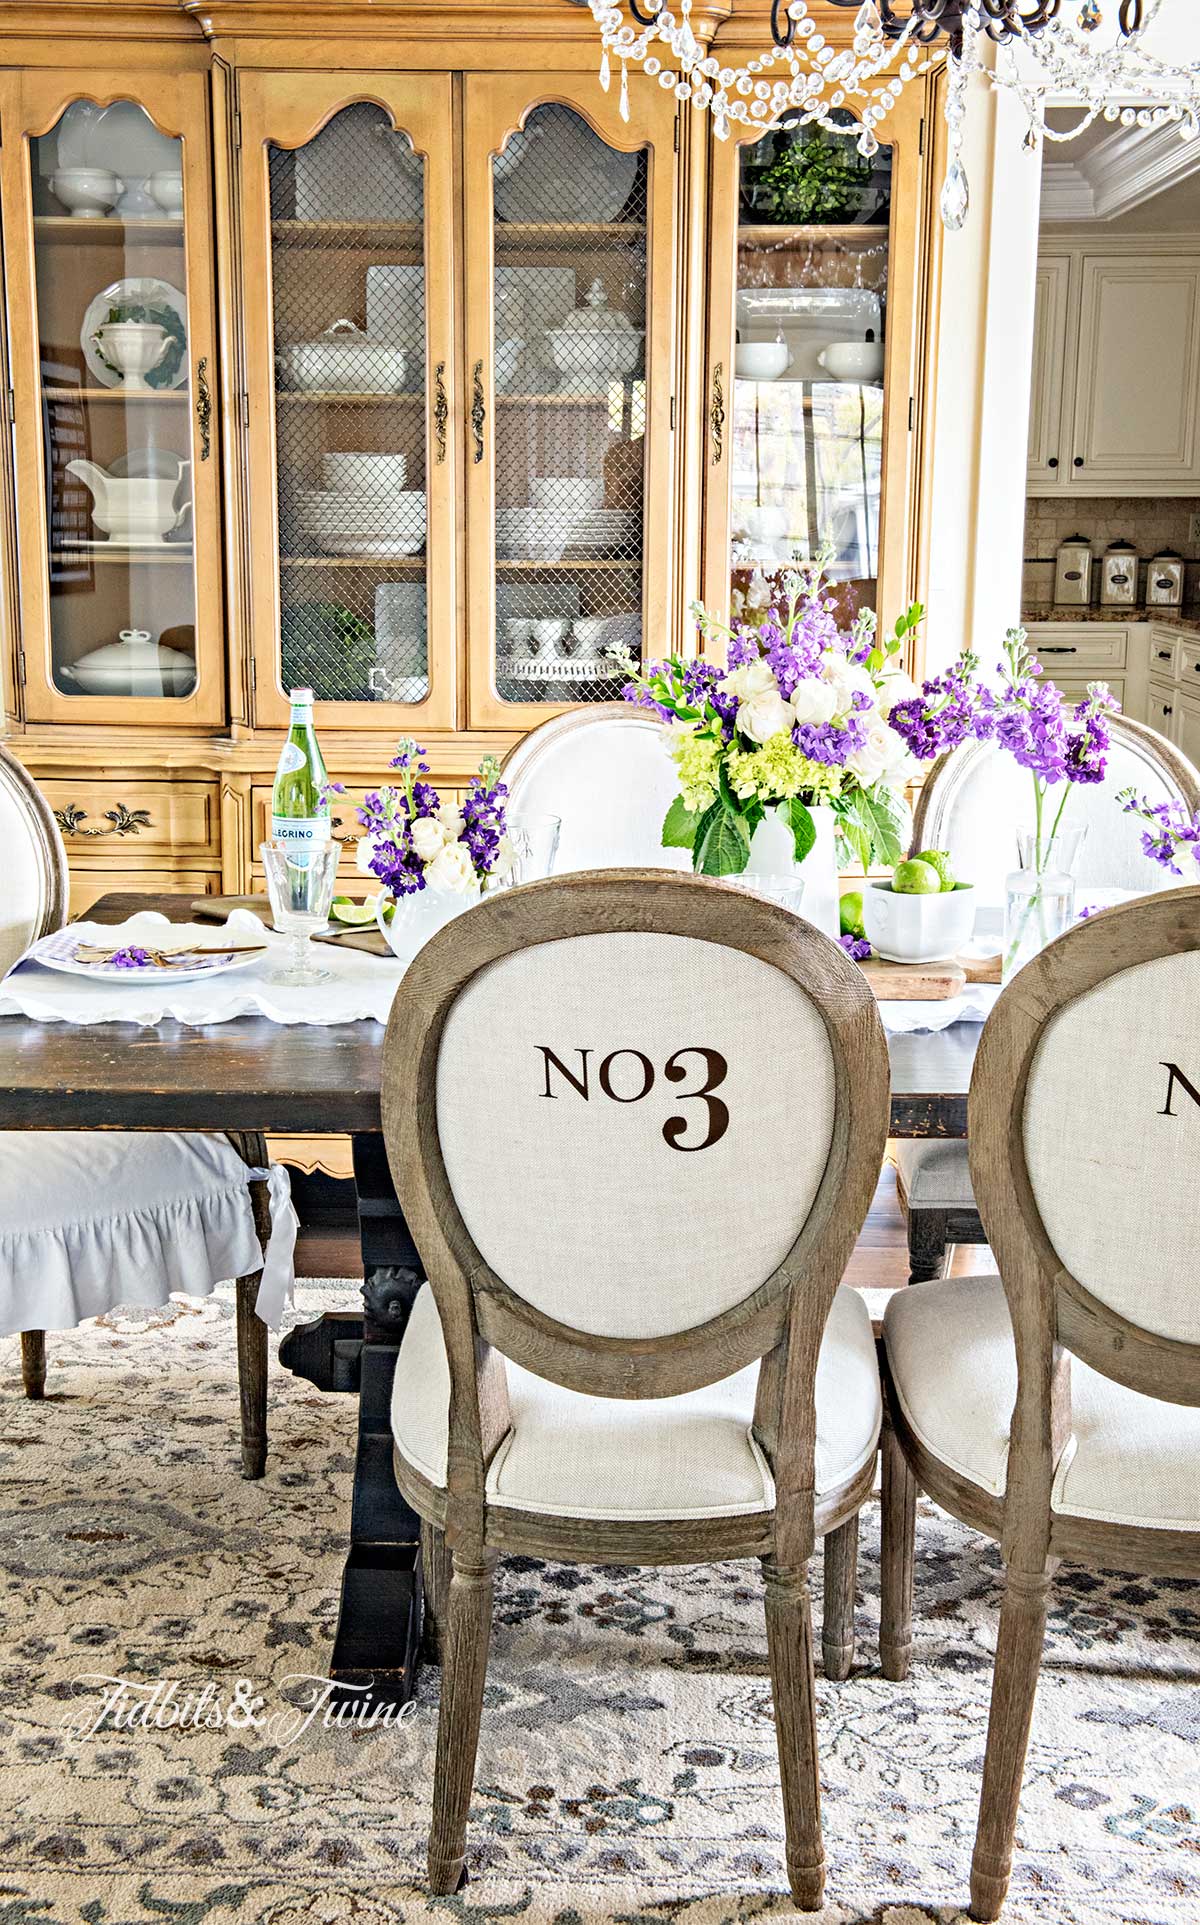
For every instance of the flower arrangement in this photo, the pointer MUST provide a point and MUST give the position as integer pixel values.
(412, 840)
(797, 718)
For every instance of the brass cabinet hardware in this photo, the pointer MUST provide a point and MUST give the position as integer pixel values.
(203, 407)
(122, 821)
(716, 414)
(441, 411)
(478, 411)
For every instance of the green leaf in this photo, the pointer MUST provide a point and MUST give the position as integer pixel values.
(725, 849)
(876, 822)
(679, 826)
(801, 824)
(702, 827)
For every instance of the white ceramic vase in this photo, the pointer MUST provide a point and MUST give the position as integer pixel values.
(772, 853)
(419, 916)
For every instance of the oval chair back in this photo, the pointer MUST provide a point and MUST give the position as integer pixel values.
(34, 900)
(605, 771)
(976, 795)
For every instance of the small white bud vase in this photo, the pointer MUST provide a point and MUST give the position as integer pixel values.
(419, 916)
(1039, 896)
(773, 853)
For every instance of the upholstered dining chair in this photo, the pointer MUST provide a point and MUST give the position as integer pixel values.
(91, 1219)
(605, 772)
(969, 805)
(636, 1121)
(1056, 1407)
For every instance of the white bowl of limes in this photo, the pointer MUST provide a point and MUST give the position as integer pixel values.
(922, 914)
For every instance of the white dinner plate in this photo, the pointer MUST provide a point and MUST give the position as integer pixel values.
(559, 170)
(59, 950)
(146, 290)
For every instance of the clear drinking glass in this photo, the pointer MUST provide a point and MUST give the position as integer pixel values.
(300, 885)
(1039, 896)
(786, 890)
(534, 837)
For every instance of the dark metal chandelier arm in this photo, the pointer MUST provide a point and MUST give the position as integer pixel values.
(783, 27)
(643, 18)
(1003, 19)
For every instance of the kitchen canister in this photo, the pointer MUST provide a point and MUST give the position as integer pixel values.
(1073, 573)
(1119, 575)
(1164, 580)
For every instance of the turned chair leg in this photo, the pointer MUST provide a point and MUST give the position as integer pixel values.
(252, 1378)
(436, 1571)
(898, 1528)
(1014, 1683)
(841, 1579)
(928, 1231)
(33, 1363)
(468, 1627)
(790, 1650)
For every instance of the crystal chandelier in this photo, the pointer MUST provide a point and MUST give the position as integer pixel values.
(1023, 46)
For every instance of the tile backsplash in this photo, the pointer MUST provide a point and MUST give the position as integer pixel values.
(1151, 525)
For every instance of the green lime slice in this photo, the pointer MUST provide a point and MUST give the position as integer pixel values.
(357, 914)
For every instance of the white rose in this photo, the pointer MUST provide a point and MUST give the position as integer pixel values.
(848, 679)
(452, 869)
(814, 701)
(363, 853)
(451, 818)
(895, 687)
(756, 678)
(429, 837)
(875, 755)
(506, 858)
(764, 715)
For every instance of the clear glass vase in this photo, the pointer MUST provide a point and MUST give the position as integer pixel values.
(1039, 896)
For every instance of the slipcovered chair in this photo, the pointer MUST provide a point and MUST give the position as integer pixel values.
(91, 1219)
(972, 799)
(605, 772)
(1056, 1407)
(636, 1121)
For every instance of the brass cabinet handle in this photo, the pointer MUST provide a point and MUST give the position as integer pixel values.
(203, 407)
(441, 411)
(716, 414)
(478, 411)
(123, 821)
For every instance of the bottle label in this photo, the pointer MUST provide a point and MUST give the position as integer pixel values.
(291, 757)
(300, 835)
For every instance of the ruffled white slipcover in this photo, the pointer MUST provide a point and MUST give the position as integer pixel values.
(90, 1219)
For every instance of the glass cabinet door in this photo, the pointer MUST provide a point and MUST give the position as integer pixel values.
(810, 372)
(570, 332)
(111, 306)
(348, 254)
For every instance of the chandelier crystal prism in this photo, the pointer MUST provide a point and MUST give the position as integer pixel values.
(1024, 47)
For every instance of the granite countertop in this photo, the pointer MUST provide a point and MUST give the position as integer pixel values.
(1188, 620)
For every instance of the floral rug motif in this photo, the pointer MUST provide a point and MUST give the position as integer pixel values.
(627, 1769)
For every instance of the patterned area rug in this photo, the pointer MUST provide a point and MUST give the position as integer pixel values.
(627, 1769)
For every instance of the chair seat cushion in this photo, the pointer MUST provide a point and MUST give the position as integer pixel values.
(1132, 1458)
(570, 1455)
(934, 1176)
(93, 1218)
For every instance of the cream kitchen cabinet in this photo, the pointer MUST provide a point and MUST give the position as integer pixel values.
(1116, 391)
(1186, 735)
(1073, 654)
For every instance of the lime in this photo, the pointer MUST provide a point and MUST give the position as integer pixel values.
(938, 859)
(914, 878)
(357, 914)
(850, 914)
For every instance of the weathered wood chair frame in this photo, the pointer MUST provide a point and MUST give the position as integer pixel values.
(931, 1230)
(483, 1322)
(1054, 1317)
(251, 1147)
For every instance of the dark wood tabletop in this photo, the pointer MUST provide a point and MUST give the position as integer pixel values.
(252, 1074)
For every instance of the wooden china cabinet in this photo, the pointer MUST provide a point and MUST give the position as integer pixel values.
(369, 346)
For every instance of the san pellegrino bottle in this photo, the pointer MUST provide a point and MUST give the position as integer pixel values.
(299, 805)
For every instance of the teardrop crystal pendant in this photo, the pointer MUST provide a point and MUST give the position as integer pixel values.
(604, 71)
(867, 19)
(956, 196)
(1090, 16)
(623, 104)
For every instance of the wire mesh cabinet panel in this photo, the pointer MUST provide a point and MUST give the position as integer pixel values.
(352, 395)
(570, 258)
(815, 291)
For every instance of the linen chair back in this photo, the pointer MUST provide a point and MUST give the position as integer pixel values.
(1084, 1136)
(976, 796)
(33, 901)
(605, 771)
(636, 1121)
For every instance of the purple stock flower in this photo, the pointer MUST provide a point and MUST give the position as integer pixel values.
(947, 711)
(1172, 829)
(388, 817)
(131, 958)
(857, 948)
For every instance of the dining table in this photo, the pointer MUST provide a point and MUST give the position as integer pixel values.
(252, 1075)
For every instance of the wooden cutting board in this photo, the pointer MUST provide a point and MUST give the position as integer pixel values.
(928, 982)
(217, 908)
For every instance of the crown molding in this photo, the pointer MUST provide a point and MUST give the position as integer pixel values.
(1130, 166)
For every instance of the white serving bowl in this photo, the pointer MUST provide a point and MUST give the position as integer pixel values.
(574, 494)
(761, 360)
(917, 929)
(167, 189)
(590, 357)
(89, 192)
(853, 360)
(364, 473)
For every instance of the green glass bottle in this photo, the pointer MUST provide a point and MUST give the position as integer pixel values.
(299, 806)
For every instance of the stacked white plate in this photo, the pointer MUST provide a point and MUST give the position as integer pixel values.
(348, 521)
(538, 534)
